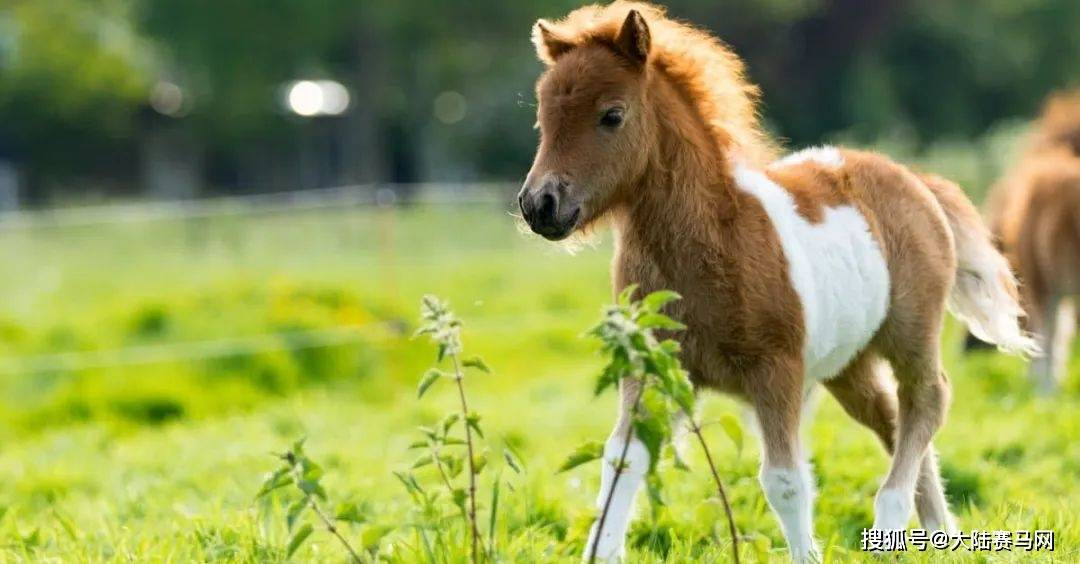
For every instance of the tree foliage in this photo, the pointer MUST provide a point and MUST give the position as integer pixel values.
(72, 76)
(75, 73)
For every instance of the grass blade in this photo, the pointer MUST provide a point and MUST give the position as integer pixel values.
(494, 515)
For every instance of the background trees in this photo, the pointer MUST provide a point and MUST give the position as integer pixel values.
(443, 90)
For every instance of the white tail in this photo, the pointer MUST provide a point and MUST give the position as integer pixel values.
(985, 294)
(981, 297)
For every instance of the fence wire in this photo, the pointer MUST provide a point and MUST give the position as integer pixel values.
(192, 350)
(358, 195)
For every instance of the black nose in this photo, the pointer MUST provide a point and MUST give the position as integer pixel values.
(549, 207)
(541, 206)
(549, 204)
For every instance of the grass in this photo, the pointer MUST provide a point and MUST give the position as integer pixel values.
(161, 461)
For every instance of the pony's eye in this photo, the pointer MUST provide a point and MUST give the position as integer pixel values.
(612, 118)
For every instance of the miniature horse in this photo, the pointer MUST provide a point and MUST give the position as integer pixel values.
(1035, 211)
(819, 267)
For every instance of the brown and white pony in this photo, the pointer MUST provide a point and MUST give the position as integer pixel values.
(1035, 212)
(824, 266)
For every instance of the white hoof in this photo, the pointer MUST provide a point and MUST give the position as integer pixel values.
(949, 526)
(892, 510)
(611, 547)
(811, 556)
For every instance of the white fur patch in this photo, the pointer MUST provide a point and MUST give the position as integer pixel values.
(892, 509)
(790, 493)
(610, 545)
(837, 270)
(826, 155)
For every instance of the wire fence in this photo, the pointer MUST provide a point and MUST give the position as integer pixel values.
(193, 350)
(343, 197)
(357, 195)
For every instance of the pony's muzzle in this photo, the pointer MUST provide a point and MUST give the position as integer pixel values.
(547, 209)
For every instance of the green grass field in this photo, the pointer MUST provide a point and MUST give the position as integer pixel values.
(238, 335)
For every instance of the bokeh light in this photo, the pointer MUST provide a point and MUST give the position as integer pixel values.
(450, 107)
(317, 97)
(167, 99)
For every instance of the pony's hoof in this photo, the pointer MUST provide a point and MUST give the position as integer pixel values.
(811, 556)
(609, 549)
(892, 509)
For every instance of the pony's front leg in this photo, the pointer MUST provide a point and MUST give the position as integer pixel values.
(775, 391)
(615, 502)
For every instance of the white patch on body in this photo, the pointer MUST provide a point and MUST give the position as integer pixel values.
(610, 545)
(790, 493)
(836, 268)
(827, 156)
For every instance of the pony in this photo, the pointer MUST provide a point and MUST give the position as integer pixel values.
(826, 266)
(1035, 213)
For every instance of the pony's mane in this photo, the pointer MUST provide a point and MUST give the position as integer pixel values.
(707, 71)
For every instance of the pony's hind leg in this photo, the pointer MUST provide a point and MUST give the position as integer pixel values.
(930, 501)
(923, 394)
(866, 391)
(1065, 330)
(1058, 324)
(775, 392)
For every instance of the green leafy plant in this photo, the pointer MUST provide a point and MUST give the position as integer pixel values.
(440, 444)
(639, 358)
(305, 475)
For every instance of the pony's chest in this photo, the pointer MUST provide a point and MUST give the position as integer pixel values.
(836, 268)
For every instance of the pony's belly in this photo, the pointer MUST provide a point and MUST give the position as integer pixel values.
(837, 269)
(845, 291)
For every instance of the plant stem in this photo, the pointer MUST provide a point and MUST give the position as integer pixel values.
(327, 521)
(696, 429)
(330, 526)
(442, 471)
(618, 472)
(459, 376)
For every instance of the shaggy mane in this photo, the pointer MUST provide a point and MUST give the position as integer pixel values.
(704, 68)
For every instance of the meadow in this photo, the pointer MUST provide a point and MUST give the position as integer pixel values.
(149, 369)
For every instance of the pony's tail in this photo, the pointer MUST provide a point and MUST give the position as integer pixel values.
(985, 295)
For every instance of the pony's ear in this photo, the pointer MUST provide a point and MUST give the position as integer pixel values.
(634, 40)
(549, 45)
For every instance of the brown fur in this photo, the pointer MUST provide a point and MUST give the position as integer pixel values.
(1035, 211)
(665, 181)
(1058, 127)
(814, 187)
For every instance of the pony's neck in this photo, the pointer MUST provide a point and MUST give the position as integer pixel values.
(687, 194)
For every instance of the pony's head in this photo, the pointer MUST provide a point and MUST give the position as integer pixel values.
(1059, 125)
(623, 80)
(595, 127)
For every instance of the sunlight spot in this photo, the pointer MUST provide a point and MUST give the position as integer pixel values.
(305, 98)
(317, 97)
(167, 99)
(450, 107)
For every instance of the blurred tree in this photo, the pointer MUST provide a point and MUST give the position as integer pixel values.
(233, 55)
(954, 68)
(926, 66)
(443, 90)
(479, 50)
(72, 75)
